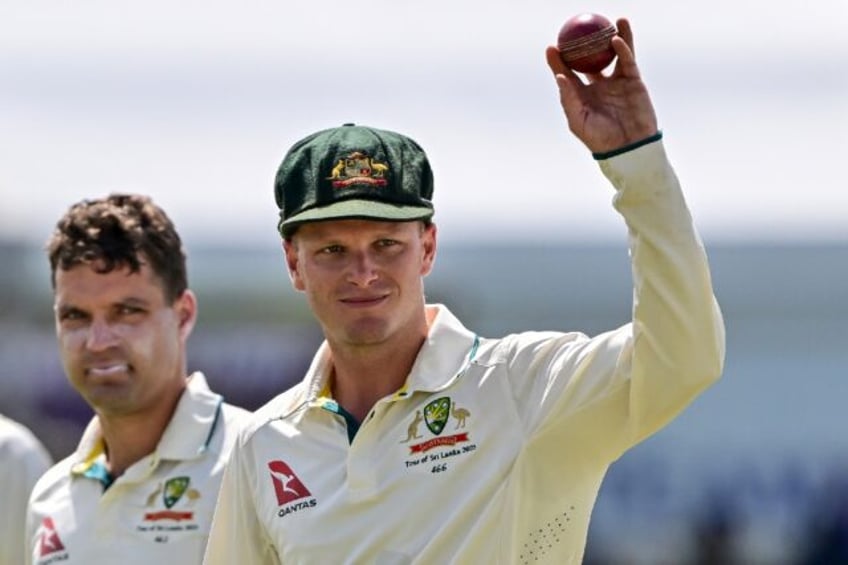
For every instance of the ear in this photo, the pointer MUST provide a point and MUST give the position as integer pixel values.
(186, 308)
(428, 243)
(290, 250)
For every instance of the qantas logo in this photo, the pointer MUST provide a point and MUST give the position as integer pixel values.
(289, 489)
(286, 484)
(49, 541)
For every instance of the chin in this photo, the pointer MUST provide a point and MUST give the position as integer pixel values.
(110, 399)
(367, 332)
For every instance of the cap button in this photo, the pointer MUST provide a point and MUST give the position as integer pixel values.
(349, 124)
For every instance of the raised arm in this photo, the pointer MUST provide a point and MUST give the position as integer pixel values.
(639, 377)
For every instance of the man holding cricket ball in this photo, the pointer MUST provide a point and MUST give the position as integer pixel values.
(412, 439)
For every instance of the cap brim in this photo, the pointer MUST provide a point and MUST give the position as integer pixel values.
(353, 209)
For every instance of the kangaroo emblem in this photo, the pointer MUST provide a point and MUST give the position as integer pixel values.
(336, 173)
(460, 414)
(285, 480)
(192, 495)
(152, 498)
(412, 430)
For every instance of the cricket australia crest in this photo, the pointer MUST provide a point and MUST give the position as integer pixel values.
(174, 490)
(435, 450)
(436, 414)
(358, 168)
(178, 516)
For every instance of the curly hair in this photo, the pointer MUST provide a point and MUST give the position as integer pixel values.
(119, 231)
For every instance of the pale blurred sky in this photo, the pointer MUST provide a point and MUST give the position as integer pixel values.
(196, 102)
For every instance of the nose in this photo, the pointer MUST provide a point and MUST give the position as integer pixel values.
(362, 270)
(101, 336)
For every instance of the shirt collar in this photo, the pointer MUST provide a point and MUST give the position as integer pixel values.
(91, 450)
(186, 436)
(190, 430)
(448, 350)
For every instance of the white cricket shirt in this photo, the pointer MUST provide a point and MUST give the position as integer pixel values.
(494, 450)
(23, 459)
(157, 512)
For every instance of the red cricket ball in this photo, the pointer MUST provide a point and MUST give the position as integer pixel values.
(585, 43)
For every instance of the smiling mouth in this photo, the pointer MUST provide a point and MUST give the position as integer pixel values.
(363, 301)
(109, 370)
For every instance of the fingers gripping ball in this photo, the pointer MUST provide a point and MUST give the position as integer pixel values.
(585, 43)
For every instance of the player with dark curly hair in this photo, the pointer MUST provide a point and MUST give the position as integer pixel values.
(141, 485)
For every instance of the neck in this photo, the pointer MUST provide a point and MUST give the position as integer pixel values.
(363, 375)
(358, 382)
(130, 437)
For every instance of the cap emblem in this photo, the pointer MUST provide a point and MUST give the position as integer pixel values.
(358, 168)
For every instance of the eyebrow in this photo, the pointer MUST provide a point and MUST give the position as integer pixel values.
(128, 301)
(132, 301)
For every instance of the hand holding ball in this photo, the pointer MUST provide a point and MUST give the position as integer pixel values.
(585, 43)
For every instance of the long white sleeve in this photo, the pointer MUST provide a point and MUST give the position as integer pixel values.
(678, 332)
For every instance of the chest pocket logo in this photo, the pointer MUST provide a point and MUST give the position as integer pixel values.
(436, 414)
(174, 490)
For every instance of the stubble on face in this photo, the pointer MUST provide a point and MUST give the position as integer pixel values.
(118, 338)
(363, 279)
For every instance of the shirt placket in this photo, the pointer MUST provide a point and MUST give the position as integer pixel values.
(362, 468)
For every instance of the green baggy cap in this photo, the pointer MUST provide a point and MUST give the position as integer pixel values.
(353, 172)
